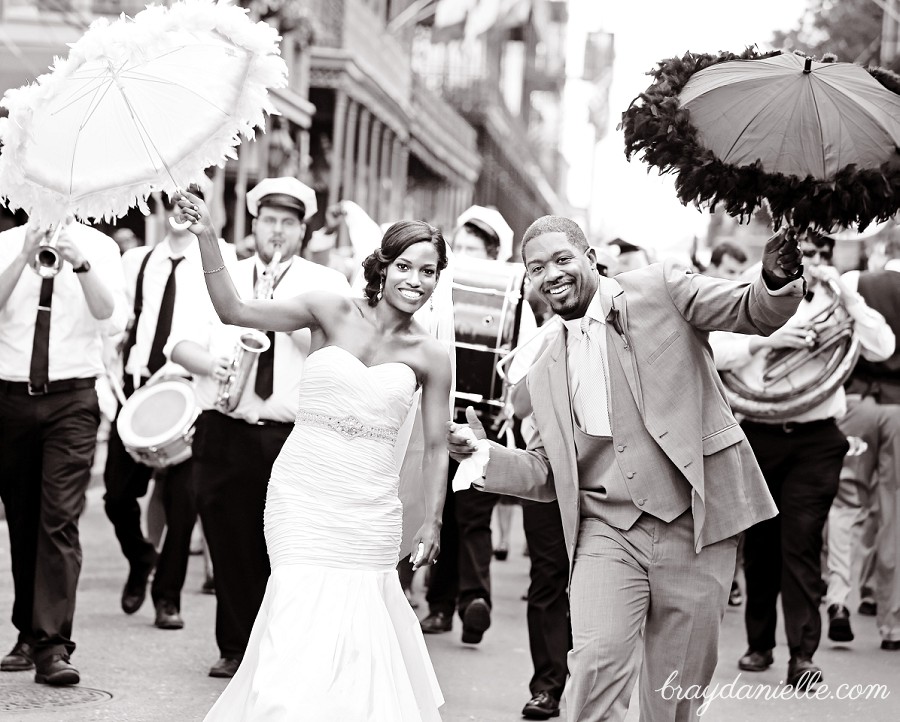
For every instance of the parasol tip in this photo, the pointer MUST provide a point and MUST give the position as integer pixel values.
(807, 66)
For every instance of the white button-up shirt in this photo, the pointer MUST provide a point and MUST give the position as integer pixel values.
(191, 298)
(290, 349)
(76, 337)
(574, 340)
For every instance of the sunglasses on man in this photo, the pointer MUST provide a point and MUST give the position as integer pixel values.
(824, 253)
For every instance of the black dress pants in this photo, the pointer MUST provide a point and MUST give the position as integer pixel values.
(462, 572)
(126, 481)
(46, 450)
(232, 462)
(802, 468)
(549, 628)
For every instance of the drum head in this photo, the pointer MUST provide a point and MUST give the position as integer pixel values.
(156, 414)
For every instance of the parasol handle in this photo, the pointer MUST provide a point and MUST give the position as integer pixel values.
(179, 225)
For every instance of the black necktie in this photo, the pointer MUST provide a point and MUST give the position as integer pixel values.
(157, 358)
(265, 369)
(40, 346)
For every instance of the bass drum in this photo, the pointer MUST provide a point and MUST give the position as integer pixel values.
(156, 423)
(487, 307)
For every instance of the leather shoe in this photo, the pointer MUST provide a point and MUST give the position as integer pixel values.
(890, 645)
(802, 674)
(868, 609)
(839, 624)
(476, 619)
(436, 623)
(167, 616)
(542, 706)
(135, 590)
(735, 598)
(756, 661)
(20, 659)
(225, 668)
(56, 670)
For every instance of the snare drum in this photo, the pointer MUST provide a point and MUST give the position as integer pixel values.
(487, 299)
(156, 423)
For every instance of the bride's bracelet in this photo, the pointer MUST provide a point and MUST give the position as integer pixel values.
(215, 270)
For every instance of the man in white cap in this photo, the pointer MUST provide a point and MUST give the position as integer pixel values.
(460, 580)
(233, 450)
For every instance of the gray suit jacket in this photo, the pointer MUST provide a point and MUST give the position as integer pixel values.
(672, 377)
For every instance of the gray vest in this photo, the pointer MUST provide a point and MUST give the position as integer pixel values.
(623, 476)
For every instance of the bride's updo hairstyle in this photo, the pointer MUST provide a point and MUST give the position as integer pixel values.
(400, 236)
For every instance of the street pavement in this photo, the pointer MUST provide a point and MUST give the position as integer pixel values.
(133, 672)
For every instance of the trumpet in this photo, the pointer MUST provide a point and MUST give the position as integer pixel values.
(249, 346)
(47, 260)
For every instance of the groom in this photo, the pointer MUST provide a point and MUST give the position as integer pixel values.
(653, 475)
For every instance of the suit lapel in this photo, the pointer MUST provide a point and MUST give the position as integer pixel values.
(558, 383)
(612, 299)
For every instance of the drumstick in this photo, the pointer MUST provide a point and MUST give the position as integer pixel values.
(116, 387)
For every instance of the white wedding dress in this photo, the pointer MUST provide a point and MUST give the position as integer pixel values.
(335, 639)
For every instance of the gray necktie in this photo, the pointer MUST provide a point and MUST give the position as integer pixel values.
(590, 398)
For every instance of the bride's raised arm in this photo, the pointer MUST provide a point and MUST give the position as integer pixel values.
(286, 314)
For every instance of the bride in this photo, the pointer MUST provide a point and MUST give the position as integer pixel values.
(335, 638)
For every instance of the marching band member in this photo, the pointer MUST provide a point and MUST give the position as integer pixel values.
(233, 451)
(461, 578)
(869, 490)
(158, 281)
(801, 460)
(51, 352)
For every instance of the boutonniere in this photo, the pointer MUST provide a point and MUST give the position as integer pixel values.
(613, 318)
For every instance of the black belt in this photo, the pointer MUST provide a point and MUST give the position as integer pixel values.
(270, 422)
(24, 388)
(789, 427)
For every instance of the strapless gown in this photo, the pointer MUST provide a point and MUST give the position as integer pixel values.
(335, 639)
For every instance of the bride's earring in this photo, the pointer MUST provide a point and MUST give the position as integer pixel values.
(431, 303)
(380, 290)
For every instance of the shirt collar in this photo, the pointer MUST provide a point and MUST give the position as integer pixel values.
(594, 311)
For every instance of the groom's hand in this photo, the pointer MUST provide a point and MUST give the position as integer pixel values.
(461, 438)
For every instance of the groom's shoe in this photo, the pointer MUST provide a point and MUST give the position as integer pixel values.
(436, 623)
(476, 619)
(225, 668)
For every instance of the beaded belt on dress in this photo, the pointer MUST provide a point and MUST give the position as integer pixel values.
(348, 426)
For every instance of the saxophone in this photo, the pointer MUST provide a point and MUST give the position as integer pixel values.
(248, 347)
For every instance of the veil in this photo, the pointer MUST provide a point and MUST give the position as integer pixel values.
(409, 450)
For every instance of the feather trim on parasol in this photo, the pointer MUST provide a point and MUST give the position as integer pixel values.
(661, 131)
(131, 44)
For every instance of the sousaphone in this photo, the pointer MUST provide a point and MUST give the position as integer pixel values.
(792, 381)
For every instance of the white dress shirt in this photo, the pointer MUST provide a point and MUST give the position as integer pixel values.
(76, 337)
(876, 340)
(191, 298)
(290, 349)
(574, 341)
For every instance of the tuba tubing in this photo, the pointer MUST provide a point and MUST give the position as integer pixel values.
(797, 380)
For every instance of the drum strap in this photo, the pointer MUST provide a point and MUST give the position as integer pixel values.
(138, 307)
